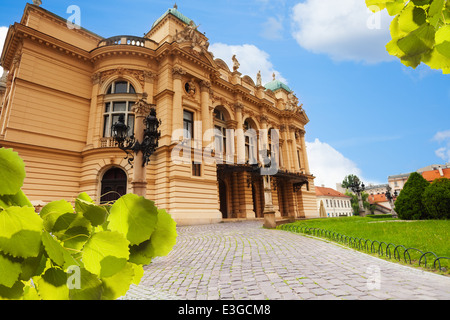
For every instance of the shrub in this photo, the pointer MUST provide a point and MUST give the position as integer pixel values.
(409, 204)
(436, 199)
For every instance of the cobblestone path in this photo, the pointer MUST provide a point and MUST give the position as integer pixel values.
(242, 260)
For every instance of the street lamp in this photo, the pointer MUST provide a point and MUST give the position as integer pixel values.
(144, 140)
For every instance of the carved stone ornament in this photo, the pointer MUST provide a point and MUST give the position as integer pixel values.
(142, 107)
(137, 74)
(236, 63)
(190, 34)
(178, 72)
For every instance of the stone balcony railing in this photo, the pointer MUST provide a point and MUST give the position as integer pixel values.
(127, 40)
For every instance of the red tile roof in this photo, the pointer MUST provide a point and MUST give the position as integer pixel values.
(322, 191)
(374, 198)
(435, 174)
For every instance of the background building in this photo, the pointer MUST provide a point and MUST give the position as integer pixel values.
(336, 204)
(65, 87)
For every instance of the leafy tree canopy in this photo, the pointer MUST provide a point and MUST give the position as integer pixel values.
(409, 204)
(420, 31)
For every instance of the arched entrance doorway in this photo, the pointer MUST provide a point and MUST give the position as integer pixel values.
(114, 185)
(223, 198)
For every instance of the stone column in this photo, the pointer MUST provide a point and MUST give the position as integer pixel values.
(292, 130)
(240, 137)
(93, 112)
(141, 109)
(177, 107)
(304, 153)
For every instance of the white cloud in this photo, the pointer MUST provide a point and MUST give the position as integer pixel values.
(443, 152)
(328, 165)
(344, 30)
(251, 60)
(3, 32)
(273, 28)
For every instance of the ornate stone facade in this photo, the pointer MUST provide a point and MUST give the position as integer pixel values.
(66, 87)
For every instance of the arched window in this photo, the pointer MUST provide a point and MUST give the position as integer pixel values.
(220, 132)
(119, 100)
(251, 145)
(114, 185)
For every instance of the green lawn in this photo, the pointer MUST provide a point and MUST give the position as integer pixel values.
(425, 235)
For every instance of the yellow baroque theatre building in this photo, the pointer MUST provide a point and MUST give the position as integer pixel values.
(63, 89)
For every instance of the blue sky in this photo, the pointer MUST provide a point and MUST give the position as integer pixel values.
(369, 114)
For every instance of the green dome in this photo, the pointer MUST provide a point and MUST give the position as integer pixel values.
(276, 85)
(175, 13)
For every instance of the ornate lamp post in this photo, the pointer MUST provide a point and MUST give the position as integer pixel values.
(145, 140)
(390, 197)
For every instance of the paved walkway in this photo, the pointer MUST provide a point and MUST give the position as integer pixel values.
(241, 260)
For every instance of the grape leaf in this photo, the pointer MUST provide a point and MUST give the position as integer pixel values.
(161, 242)
(95, 214)
(13, 293)
(105, 253)
(90, 287)
(15, 200)
(10, 271)
(20, 232)
(134, 216)
(53, 285)
(12, 172)
(52, 211)
(117, 285)
(56, 252)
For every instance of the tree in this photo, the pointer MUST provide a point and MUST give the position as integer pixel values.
(436, 199)
(409, 204)
(420, 31)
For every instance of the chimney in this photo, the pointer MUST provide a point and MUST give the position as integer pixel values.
(441, 172)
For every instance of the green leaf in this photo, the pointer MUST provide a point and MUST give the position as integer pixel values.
(95, 214)
(51, 212)
(13, 293)
(90, 287)
(117, 285)
(394, 7)
(411, 18)
(12, 171)
(16, 200)
(20, 232)
(161, 242)
(134, 216)
(56, 252)
(53, 285)
(84, 196)
(165, 235)
(417, 42)
(105, 253)
(9, 271)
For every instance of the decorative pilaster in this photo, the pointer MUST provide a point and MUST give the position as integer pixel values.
(177, 108)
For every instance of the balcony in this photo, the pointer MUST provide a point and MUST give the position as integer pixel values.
(129, 41)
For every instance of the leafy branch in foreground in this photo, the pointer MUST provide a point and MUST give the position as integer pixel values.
(420, 31)
(82, 253)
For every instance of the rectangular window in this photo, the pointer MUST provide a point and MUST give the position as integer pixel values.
(119, 106)
(107, 127)
(188, 124)
(298, 159)
(196, 169)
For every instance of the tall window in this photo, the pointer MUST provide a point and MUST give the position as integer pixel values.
(250, 143)
(220, 132)
(120, 98)
(188, 124)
